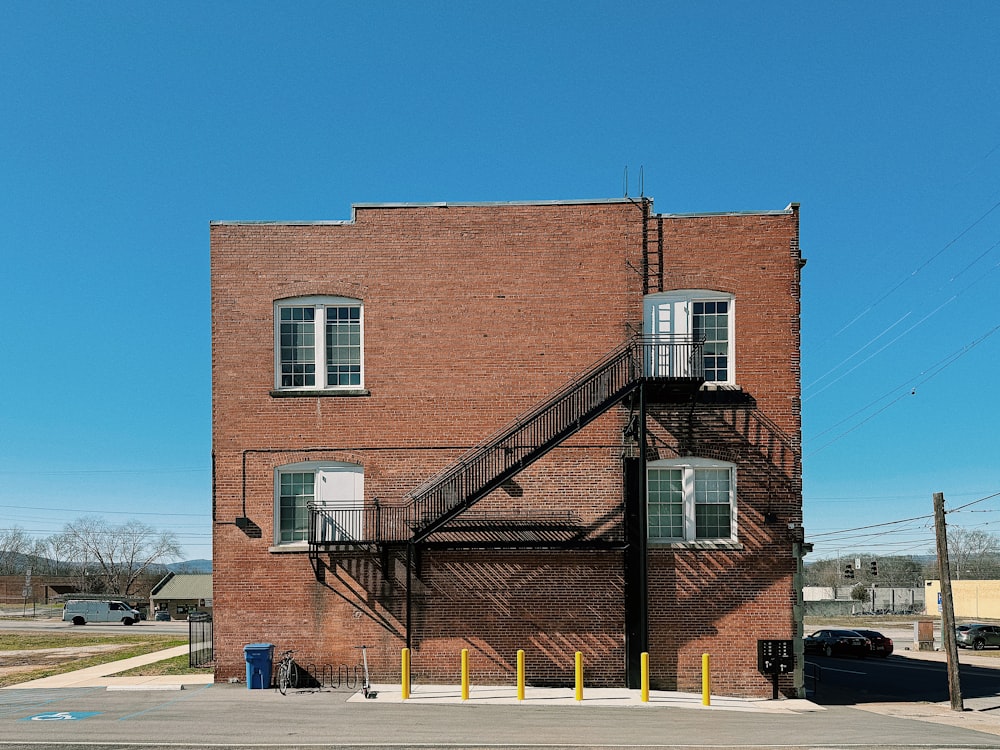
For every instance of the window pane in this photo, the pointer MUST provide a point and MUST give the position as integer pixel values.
(343, 345)
(297, 489)
(710, 320)
(712, 522)
(297, 336)
(713, 503)
(665, 504)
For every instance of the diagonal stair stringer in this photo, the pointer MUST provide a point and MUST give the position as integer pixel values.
(536, 432)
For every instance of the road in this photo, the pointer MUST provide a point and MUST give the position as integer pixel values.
(848, 681)
(29, 624)
(231, 717)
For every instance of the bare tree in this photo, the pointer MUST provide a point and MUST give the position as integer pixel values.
(118, 555)
(49, 556)
(895, 570)
(14, 543)
(974, 553)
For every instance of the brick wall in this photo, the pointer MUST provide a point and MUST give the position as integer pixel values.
(472, 315)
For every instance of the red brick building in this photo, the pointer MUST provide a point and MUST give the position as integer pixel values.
(551, 426)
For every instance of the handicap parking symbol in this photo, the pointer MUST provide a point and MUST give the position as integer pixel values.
(61, 716)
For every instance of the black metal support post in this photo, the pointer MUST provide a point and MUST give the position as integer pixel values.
(635, 562)
(409, 592)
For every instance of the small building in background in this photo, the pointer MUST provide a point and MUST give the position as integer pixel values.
(834, 601)
(181, 595)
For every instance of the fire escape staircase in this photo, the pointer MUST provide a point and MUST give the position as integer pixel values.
(538, 431)
(672, 364)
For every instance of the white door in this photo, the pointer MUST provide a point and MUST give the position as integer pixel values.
(667, 321)
(341, 495)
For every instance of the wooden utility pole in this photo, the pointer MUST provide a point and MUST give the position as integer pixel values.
(947, 608)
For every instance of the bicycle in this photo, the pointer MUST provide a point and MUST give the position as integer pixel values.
(288, 673)
(366, 686)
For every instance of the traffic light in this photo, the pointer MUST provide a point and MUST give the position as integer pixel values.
(873, 567)
(848, 571)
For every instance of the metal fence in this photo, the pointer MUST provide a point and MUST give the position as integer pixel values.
(201, 649)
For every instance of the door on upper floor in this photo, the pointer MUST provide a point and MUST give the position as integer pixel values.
(674, 321)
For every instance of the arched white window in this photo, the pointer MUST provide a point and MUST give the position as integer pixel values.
(691, 499)
(331, 490)
(318, 344)
(701, 314)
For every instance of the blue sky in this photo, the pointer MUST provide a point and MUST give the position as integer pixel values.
(127, 127)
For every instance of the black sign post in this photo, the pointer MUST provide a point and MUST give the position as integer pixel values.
(775, 657)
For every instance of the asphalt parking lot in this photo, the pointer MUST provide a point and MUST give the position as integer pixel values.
(231, 716)
(94, 709)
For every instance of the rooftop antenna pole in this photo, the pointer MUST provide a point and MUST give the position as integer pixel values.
(642, 183)
(625, 182)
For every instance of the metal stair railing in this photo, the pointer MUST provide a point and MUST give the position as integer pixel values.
(535, 433)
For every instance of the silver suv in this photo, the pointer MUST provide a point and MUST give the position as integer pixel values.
(977, 636)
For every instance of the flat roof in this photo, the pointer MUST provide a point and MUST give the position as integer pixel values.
(790, 208)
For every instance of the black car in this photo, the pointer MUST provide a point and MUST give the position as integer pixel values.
(881, 645)
(831, 642)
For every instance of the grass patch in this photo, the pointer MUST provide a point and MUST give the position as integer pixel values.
(130, 645)
(18, 641)
(993, 653)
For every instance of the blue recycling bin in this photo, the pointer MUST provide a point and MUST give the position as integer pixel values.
(258, 657)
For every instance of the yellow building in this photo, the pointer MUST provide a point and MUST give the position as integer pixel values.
(973, 600)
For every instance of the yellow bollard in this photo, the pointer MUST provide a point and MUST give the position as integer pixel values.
(644, 680)
(579, 676)
(465, 674)
(520, 674)
(706, 682)
(405, 672)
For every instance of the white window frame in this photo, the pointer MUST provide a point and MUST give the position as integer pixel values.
(348, 525)
(682, 303)
(320, 305)
(688, 467)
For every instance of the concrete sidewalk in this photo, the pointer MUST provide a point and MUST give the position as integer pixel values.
(623, 697)
(971, 658)
(436, 715)
(103, 675)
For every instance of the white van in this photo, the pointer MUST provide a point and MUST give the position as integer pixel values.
(82, 611)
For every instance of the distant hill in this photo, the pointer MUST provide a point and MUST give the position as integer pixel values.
(191, 566)
(18, 563)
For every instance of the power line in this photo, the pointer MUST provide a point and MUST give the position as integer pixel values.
(860, 498)
(920, 322)
(881, 349)
(110, 512)
(975, 502)
(875, 525)
(947, 362)
(183, 535)
(74, 472)
(840, 538)
(918, 269)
